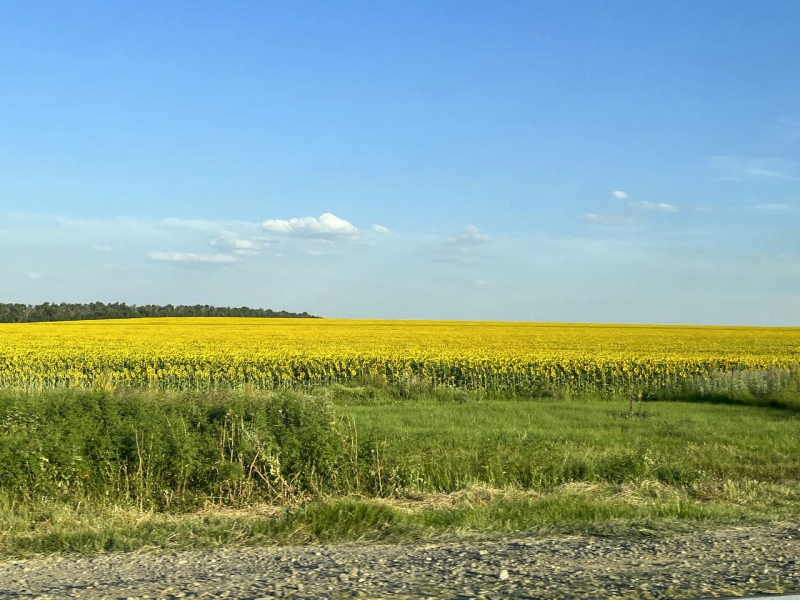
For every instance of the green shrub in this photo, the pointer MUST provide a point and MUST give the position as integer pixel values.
(161, 451)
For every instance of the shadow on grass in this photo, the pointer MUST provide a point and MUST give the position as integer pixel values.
(787, 404)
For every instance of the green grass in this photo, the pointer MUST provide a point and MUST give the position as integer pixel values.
(87, 472)
(539, 444)
(604, 510)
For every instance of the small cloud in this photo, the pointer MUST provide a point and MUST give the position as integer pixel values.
(463, 250)
(619, 195)
(34, 276)
(315, 253)
(327, 225)
(662, 206)
(379, 228)
(246, 245)
(473, 237)
(230, 240)
(481, 282)
(474, 233)
(189, 257)
(703, 209)
(102, 248)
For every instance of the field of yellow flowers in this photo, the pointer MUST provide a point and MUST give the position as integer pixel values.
(202, 353)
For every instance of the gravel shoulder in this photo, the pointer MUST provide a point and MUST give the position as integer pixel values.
(729, 562)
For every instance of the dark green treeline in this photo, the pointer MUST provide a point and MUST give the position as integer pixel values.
(30, 313)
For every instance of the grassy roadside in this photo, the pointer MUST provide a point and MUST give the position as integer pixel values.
(540, 444)
(603, 509)
(89, 472)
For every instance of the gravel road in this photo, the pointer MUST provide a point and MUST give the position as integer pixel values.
(707, 564)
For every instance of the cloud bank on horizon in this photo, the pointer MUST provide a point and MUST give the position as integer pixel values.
(626, 270)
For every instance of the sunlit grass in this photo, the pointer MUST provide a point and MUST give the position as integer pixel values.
(101, 471)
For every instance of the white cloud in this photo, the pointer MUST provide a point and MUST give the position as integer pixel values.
(703, 209)
(190, 257)
(474, 233)
(662, 206)
(34, 276)
(231, 240)
(466, 249)
(315, 253)
(481, 282)
(379, 228)
(619, 195)
(102, 248)
(327, 225)
(594, 217)
(472, 237)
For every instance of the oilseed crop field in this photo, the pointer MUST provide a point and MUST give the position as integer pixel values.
(206, 353)
(197, 433)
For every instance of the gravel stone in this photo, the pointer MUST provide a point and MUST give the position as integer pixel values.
(722, 563)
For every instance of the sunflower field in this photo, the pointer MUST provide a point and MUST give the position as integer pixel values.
(207, 353)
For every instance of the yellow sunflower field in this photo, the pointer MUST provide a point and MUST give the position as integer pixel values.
(203, 353)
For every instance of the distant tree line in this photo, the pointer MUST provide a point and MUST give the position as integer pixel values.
(30, 313)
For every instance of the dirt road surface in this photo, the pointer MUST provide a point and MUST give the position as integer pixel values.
(722, 563)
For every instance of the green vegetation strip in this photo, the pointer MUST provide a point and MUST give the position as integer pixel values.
(600, 510)
(86, 472)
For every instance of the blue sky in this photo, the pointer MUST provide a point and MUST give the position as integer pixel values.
(548, 161)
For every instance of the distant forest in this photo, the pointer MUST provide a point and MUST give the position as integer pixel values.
(28, 313)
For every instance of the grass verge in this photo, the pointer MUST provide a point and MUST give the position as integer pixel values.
(102, 471)
(648, 509)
